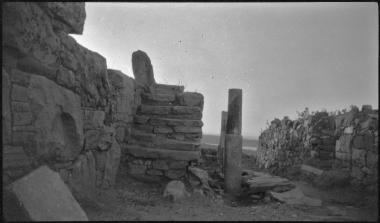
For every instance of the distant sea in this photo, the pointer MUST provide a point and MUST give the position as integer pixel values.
(212, 141)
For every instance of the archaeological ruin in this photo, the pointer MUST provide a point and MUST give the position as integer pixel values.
(71, 126)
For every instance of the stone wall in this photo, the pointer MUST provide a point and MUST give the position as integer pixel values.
(64, 108)
(61, 106)
(345, 141)
(167, 127)
(357, 146)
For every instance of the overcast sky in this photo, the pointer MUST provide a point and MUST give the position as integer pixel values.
(285, 56)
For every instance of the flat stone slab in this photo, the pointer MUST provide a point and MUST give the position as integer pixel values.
(267, 182)
(43, 196)
(155, 153)
(310, 169)
(295, 197)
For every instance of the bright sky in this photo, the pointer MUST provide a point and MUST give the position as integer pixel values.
(285, 56)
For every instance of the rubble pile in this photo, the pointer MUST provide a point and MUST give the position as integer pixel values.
(282, 145)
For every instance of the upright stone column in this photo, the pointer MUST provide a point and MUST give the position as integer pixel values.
(233, 143)
(222, 138)
(142, 70)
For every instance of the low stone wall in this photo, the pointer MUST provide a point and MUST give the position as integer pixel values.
(346, 141)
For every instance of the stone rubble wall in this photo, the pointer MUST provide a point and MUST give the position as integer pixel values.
(61, 105)
(357, 146)
(166, 133)
(347, 140)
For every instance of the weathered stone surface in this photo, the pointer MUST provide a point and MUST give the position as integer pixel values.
(175, 122)
(157, 99)
(295, 197)
(6, 118)
(140, 119)
(136, 169)
(124, 90)
(174, 164)
(155, 110)
(154, 172)
(59, 125)
(310, 169)
(160, 164)
(20, 106)
(144, 128)
(83, 175)
(44, 197)
(93, 119)
(22, 118)
(166, 89)
(333, 178)
(162, 129)
(142, 69)
(20, 78)
(15, 157)
(19, 93)
(107, 158)
(175, 190)
(175, 173)
(66, 16)
(264, 183)
(154, 153)
(190, 99)
(187, 129)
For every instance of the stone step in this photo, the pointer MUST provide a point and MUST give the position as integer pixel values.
(155, 153)
(159, 141)
(183, 99)
(167, 132)
(158, 99)
(176, 112)
(163, 129)
(157, 121)
(166, 89)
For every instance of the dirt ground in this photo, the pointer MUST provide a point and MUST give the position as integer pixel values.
(134, 200)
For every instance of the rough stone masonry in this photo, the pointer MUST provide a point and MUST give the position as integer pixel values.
(64, 108)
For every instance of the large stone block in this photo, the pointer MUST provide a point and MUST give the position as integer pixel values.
(154, 153)
(187, 129)
(190, 99)
(160, 164)
(22, 118)
(155, 110)
(166, 89)
(175, 174)
(42, 196)
(142, 69)
(15, 157)
(124, 88)
(6, 116)
(20, 78)
(19, 93)
(66, 16)
(58, 119)
(157, 99)
(83, 176)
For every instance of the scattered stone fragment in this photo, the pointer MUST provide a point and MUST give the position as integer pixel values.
(43, 196)
(175, 190)
(295, 197)
(265, 183)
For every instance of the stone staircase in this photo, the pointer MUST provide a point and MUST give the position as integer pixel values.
(166, 132)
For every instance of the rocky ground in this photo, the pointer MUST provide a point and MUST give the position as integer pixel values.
(133, 200)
